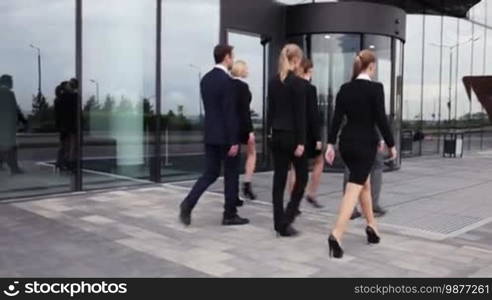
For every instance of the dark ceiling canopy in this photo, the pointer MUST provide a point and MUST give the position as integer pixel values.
(455, 8)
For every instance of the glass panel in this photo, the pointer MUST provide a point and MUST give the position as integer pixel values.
(187, 55)
(448, 68)
(381, 45)
(249, 49)
(333, 57)
(118, 87)
(431, 87)
(412, 85)
(398, 97)
(37, 53)
(477, 55)
(463, 104)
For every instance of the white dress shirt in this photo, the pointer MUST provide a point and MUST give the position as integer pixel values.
(223, 68)
(364, 76)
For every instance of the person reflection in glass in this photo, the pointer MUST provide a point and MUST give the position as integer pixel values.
(10, 115)
(65, 119)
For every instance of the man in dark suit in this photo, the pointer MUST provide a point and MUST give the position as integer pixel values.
(221, 139)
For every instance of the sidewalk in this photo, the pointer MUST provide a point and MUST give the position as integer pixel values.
(439, 224)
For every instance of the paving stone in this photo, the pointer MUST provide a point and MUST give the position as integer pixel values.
(136, 233)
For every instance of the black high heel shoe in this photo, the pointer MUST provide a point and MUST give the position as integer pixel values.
(335, 249)
(248, 191)
(313, 202)
(372, 236)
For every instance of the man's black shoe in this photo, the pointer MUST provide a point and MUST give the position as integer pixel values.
(239, 202)
(184, 215)
(236, 220)
(289, 231)
(379, 211)
(356, 214)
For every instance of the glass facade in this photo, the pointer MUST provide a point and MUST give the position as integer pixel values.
(118, 89)
(36, 55)
(439, 52)
(129, 103)
(190, 30)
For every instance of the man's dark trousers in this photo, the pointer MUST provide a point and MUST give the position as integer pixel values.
(215, 156)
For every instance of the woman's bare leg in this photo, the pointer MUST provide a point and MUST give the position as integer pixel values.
(291, 180)
(366, 204)
(314, 182)
(350, 198)
(250, 162)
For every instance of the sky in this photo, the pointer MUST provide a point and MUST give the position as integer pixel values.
(119, 50)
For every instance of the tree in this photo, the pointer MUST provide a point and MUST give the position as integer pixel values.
(108, 104)
(39, 105)
(125, 105)
(92, 104)
(181, 110)
(43, 115)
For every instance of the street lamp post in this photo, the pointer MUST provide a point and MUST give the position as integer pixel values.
(451, 48)
(39, 69)
(199, 92)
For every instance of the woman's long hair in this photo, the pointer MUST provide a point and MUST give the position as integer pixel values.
(362, 62)
(304, 67)
(289, 53)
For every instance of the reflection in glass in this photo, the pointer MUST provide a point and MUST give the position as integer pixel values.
(333, 57)
(37, 53)
(381, 45)
(398, 98)
(248, 47)
(190, 33)
(119, 85)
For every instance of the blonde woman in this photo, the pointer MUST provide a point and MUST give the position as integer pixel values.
(247, 136)
(361, 101)
(286, 121)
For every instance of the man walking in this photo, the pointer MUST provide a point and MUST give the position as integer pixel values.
(221, 139)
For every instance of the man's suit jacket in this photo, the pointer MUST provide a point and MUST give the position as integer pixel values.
(220, 103)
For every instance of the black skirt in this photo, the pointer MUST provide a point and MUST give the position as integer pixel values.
(359, 158)
(311, 151)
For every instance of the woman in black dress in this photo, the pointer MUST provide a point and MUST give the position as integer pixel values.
(240, 73)
(286, 120)
(313, 135)
(361, 102)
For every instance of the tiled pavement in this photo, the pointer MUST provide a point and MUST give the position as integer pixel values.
(439, 224)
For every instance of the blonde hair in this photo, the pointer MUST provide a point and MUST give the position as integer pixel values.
(362, 62)
(289, 53)
(304, 67)
(238, 68)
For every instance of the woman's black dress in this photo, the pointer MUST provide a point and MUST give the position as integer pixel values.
(313, 121)
(244, 101)
(362, 103)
